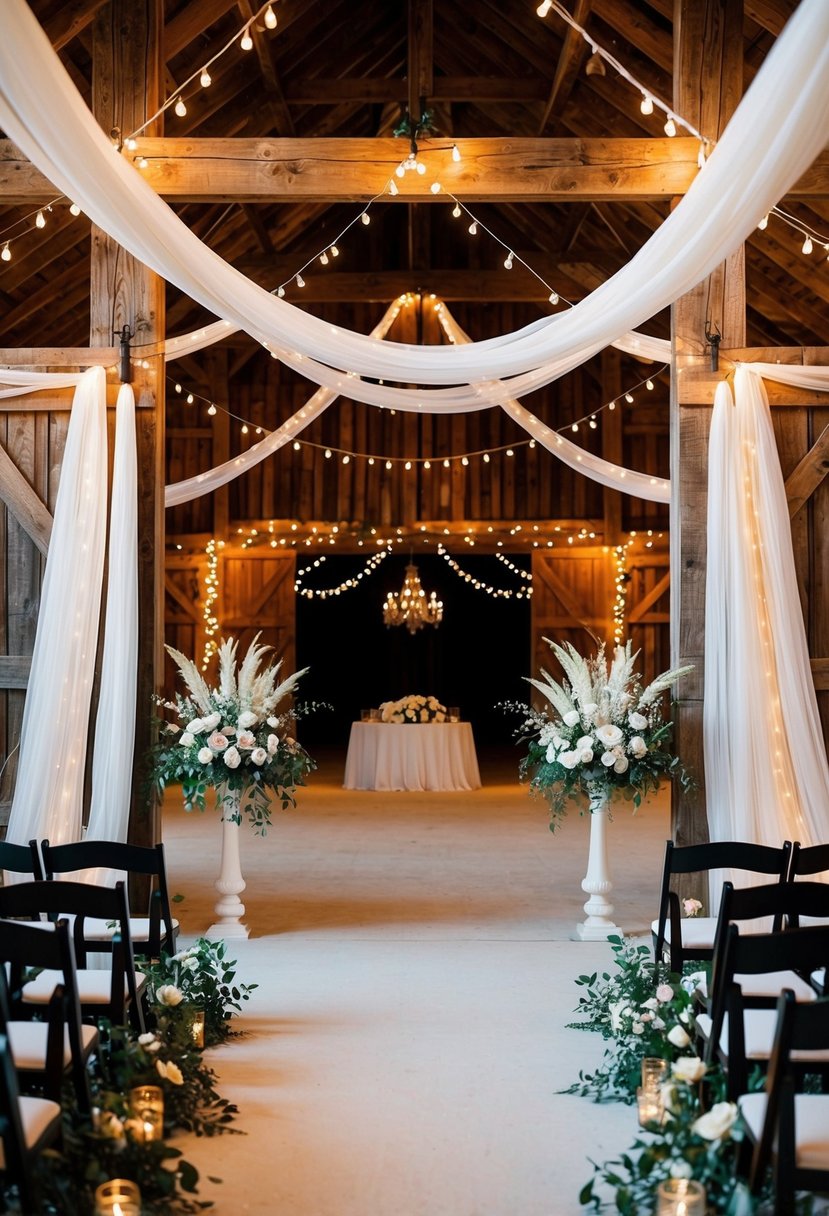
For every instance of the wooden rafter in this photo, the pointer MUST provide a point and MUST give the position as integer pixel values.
(25, 505)
(809, 474)
(262, 45)
(570, 60)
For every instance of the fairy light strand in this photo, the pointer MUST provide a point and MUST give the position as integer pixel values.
(348, 584)
(211, 594)
(494, 592)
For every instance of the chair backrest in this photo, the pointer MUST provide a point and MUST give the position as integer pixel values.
(20, 858)
(128, 858)
(11, 1127)
(814, 860)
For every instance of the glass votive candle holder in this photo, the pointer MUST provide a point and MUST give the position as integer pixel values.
(147, 1106)
(365, 715)
(197, 1028)
(654, 1074)
(650, 1105)
(680, 1197)
(454, 713)
(118, 1197)
(374, 715)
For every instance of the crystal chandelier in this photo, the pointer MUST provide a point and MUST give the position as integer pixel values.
(411, 607)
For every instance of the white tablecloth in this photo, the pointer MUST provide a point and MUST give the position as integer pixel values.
(427, 756)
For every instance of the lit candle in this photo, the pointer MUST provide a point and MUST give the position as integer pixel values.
(119, 1197)
(197, 1028)
(147, 1105)
(654, 1074)
(650, 1106)
(680, 1197)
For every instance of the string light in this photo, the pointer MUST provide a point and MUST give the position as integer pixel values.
(180, 108)
(456, 154)
(270, 18)
(74, 209)
(525, 574)
(246, 42)
(205, 79)
(501, 593)
(211, 594)
(6, 253)
(620, 581)
(348, 584)
(40, 220)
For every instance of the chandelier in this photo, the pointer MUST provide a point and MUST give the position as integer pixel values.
(411, 607)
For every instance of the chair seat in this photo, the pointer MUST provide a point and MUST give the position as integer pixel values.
(696, 931)
(811, 1121)
(760, 1025)
(818, 978)
(94, 986)
(100, 930)
(768, 983)
(28, 1043)
(37, 1116)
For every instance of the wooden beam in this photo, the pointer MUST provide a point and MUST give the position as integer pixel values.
(325, 91)
(639, 611)
(14, 670)
(695, 384)
(71, 19)
(191, 22)
(420, 72)
(57, 356)
(573, 52)
(283, 123)
(820, 674)
(809, 474)
(25, 505)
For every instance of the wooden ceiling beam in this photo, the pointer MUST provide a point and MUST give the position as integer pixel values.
(420, 73)
(324, 91)
(191, 23)
(280, 114)
(569, 64)
(70, 20)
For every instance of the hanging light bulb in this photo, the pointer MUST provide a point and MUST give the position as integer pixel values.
(629, 398)
(335, 253)
(300, 282)
(346, 459)
(246, 42)
(456, 154)
(421, 168)
(74, 209)
(646, 104)
(544, 7)
(388, 464)
(180, 108)
(427, 464)
(131, 144)
(297, 445)
(807, 246)
(464, 461)
(593, 422)
(670, 127)
(270, 18)
(400, 170)
(190, 398)
(764, 223)
(393, 186)
(649, 385)
(365, 219)
(611, 405)
(280, 291)
(554, 297)
(205, 80)
(407, 466)
(327, 453)
(485, 458)
(6, 253)
(40, 220)
(435, 187)
(141, 162)
(574, 427)
(178, 388)
(244, 428)
(473, 228)
(323, 258)
(456, 211)
(508, 261)
(211, 409)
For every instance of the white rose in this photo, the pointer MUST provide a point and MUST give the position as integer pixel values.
(691, 907)
(621, 764)
(650, 1003)
(638, 721)
(212, 721)
(664, 993)
(217, 741)
(609, 735)
(638, 747)
(168, 994)
(689, 1068)
(584, 742)
(571, 718)
(569, 759)
(658, 1024)
(273, 744)
(638, 1028)
(205, 755)
(647, 1016)
(246, 720)
(196, 726)
(717, 1122)
(229, 731)
(681, 1169)
(608, 758)
(259, 755)
(274, 722)
(679, 1037)
(146, 1039)
(586, 755)
(186, 739)
(232, 758)
(247, 740)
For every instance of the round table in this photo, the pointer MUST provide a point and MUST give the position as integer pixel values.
(416, 756)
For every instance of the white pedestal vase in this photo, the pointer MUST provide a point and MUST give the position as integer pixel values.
(230, 884)
(598, 924)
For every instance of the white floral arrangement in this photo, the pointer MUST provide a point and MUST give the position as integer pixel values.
(413, 709)
(606, 734)
(232, 738)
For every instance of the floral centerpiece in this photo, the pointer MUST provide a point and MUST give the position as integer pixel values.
(413, 709)
(232, 738)
(605, 734)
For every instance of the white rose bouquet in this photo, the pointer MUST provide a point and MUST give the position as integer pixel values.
(232, 738)
(413, 710)
(605, 734)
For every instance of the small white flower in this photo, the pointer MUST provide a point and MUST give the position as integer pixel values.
(691, 907)
(546, 734)
(571, 718)
(186, 739)
(168, 994)
(273, 744)
(647, 1016)
(717, 1122)
(638, 747)
(247, 740)
(679, 1037)
(568, 759)
(609, 735)
(584, 742)
(621, 765)
(589, 711)
(664, 993)
(232, 758)
(274, 722)
(246, 720)
(658, 1024)
(218, 741)
(196, 726)
(205, 755)
(689, 1068)
(638, 721)
(586, 755)
(551, 753)
(259, 755)
(608, 759)
(212, 721)
(146, 1039)
(638, 1028)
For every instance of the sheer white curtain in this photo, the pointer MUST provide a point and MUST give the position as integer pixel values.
(773, 137)
(48, 796)
(767, 777)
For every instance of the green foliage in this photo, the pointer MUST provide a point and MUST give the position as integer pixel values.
(201, 977)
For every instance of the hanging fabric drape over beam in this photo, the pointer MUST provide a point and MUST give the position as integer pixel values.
(774, 135)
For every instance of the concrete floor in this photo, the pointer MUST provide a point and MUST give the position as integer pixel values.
(404, 1048)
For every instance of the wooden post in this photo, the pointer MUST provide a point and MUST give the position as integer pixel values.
(127, 75)
(708, 64)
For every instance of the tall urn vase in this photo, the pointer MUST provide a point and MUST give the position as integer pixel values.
(598, 923)
(230, 884)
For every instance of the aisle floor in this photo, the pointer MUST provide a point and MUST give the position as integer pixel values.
(403, 1051)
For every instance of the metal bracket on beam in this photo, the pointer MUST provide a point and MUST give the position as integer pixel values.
(124, 364)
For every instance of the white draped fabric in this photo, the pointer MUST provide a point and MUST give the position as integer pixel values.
(775, 134)
(766, 771)
(115, 722)
(48, 795)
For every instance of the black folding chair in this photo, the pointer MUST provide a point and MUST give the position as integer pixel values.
(27, 1126)
(738, 1030)
(112, 992)
(20, 858)
(146, 931)
(693, 937)
(45, 1051)
(805, 862)
(789, 1130)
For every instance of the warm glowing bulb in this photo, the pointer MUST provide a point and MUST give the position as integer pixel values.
(485, 457)
(553, 297)
(544, 7)
(365, 218)
(270, 18)
(427, 464)
(574, 427)
(388, 464)
(300, 282)
(629, 398)
(40, 220)
(456, 155)
(244, 428)
(473, 228)
(190, 398)
(280, 291)
(807, 246)
(327, 453)
(323, 258)
(335, 253)
(407, 465)
(74, 209)
(456, 210)
(346, 459)
(393, 186)
(611, 405)
(211, 409)
(180, 108)
(435, 187)
(178, 388)
(508, 261)
(246, 42)
(297, 445)
(6, 253)
(205, 80)
(764, 222)
(141, 162)
(421, 168)
(400, 170)
(646, 104)
(670, 127)
(649, 385)
(464, 461)
(131, 144)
